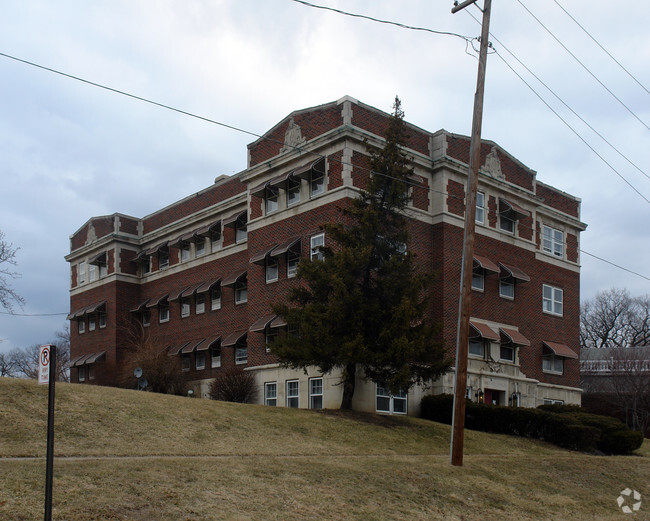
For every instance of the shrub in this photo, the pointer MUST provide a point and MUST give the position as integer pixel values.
(234, 385)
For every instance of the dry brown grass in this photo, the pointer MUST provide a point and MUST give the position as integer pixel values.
(124, 455)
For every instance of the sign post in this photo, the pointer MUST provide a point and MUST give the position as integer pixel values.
(47, 375)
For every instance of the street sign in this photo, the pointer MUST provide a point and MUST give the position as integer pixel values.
(44, 355)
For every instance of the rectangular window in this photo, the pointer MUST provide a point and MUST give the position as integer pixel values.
(199, 246)
(82, 326)
(200, 303)
(552, 300)
(549, 401)
(163, 259)
(185, 362)
(315, 393)
(81, 272)
(102, 320)
(553, 241)
(271, 269)
(92, 322)
(241, 233)
(271, 200)
(241, 291)
(92, 272)
(91, 372)
(393, 404)
(215, 298)
(103, 270)
(293, 258)
(146, 265)
(200, 359)
(480, 207)
(215, 354)
(269, 338)
(241, 353)
(215, 239)
(478, 280)
(316, 183)
(553, 364)
(146, 317)
(477, 348)
(271, 394)
(507, 222)
(82, 373)
(293, 191)
(507, 353)
(293, 389)
(185, 252)
(163, 313)
(316, 242)
(507, 288)
(185, 307)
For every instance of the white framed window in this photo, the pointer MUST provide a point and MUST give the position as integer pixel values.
(215, 355)
(550, 401)
(269, 337)
(92, 323)
(215, 239)
(92, 272)
(293, 191)
(553, 364)
(393, 404)
(316, 242)
(200, 360)
(103, 270)
(316, 183)
(241, 233)
(82, 326)
(507, 222)
(315, 393)
(241, 353)
(241, 291)
(199, 303)
(199, 246)
(185, 307)
(480, 208)
(476, 348)
(102, 320)
(293, 258)
(82, 373)
(552, 300)
(146, 318)
(185, 251)
(215, 298)
(163, 313)
(146, 265)
(553, 241)
(271, 267)
(271, 394)
(293, 393)
(163, 259)
(91, 372)
(507, 353)
(478, 280)
(185, 362)
(507, 288)
(271, 200)
(81, 272)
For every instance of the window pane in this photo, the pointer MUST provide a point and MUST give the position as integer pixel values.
(399, 405)
(506, 289)
(383, 404)
(476, 348)
(478, 280)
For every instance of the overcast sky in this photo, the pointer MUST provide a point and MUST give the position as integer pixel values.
(70, 151)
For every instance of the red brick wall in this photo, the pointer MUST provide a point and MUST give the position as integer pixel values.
(456, 197)
(558, 200)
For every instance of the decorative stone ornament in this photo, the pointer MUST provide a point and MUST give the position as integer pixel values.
(293, 137)
(492, 166)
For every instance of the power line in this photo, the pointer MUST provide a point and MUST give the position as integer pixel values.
(615, 265)
(31, 314)
(584, 66)
(603, 48)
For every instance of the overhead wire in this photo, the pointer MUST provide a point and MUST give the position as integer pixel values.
(584, 66)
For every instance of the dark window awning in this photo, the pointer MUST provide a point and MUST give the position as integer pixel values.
(211, 342)
(140, 256)
(96, 357)
(185, 238)
(480, 330)
(88, 310)
(506, 206)
(175, 350)
(232, 279)
(72, 362)
(485, 264)
(157, 301)
(278, 322)
(159, 247)
(207, 286)
(560, 349)
(82, 360)
(232, 220)
(260, 258)
(99, 259)
(514, 337)
(508, 271)
(232, 339)
(261, 324)
(207, 230)
(285, 246)
(179, 293)
(188, 292)
(191, 346)
(140, 306)
(317, 166)
(260, 190)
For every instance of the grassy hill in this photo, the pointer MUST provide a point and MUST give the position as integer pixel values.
(127, 455)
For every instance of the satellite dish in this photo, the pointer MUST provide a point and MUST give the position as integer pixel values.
(138, 372)
(142, 383)
(190, 393)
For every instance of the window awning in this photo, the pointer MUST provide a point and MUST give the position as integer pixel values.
(210, 343)
(514, 337)
(157, 301)
(191, 346)
(156, 249)
(72, 362)
(174, 350)
(485, 264)
(508, 206)
(278, 322)
(282, 179)
(93, 308)
(260, 190)
(140, 255)
(317, 166)
(99, 259)
(260, 325)
(560, 349)
(185, 238)
(508, 271)
(96, 357)
(140, 306)
(232, 279)
(82, 360)
(232, 339)
(480, 330)
(285, 246)
(230, 221)
(178, 294)
(260, 258)
(188, 292)
(207, 286)
(207, 230)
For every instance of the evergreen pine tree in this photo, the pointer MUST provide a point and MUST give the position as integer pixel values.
(362, 306)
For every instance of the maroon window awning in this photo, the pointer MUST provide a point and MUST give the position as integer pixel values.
(480, 330)
(506, 205)
(175, 350)
(191, 346)
(157, 301)
(560, 349)
(211, 342)
(207, 230)
(509, 271)
(285, 246)
(485, 264)
(232, 339)
(514, 337)
(98, 260)
(278, 322)
(232, 279)
(261, 324)
(96, 357)
(207, 286)
(140, 306)
(317, 166)
(230, 221)
(156, 249)
(260, 258)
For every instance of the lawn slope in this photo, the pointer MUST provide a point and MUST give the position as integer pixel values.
(127, 455)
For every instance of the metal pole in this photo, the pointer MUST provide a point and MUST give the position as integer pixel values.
(462, 343)
(49, 458)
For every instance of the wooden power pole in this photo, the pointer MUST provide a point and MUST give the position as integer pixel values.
(462, 343)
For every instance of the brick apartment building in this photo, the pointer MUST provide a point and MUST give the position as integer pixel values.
(200, 275)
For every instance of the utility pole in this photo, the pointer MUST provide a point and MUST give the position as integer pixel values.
(462, 343)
